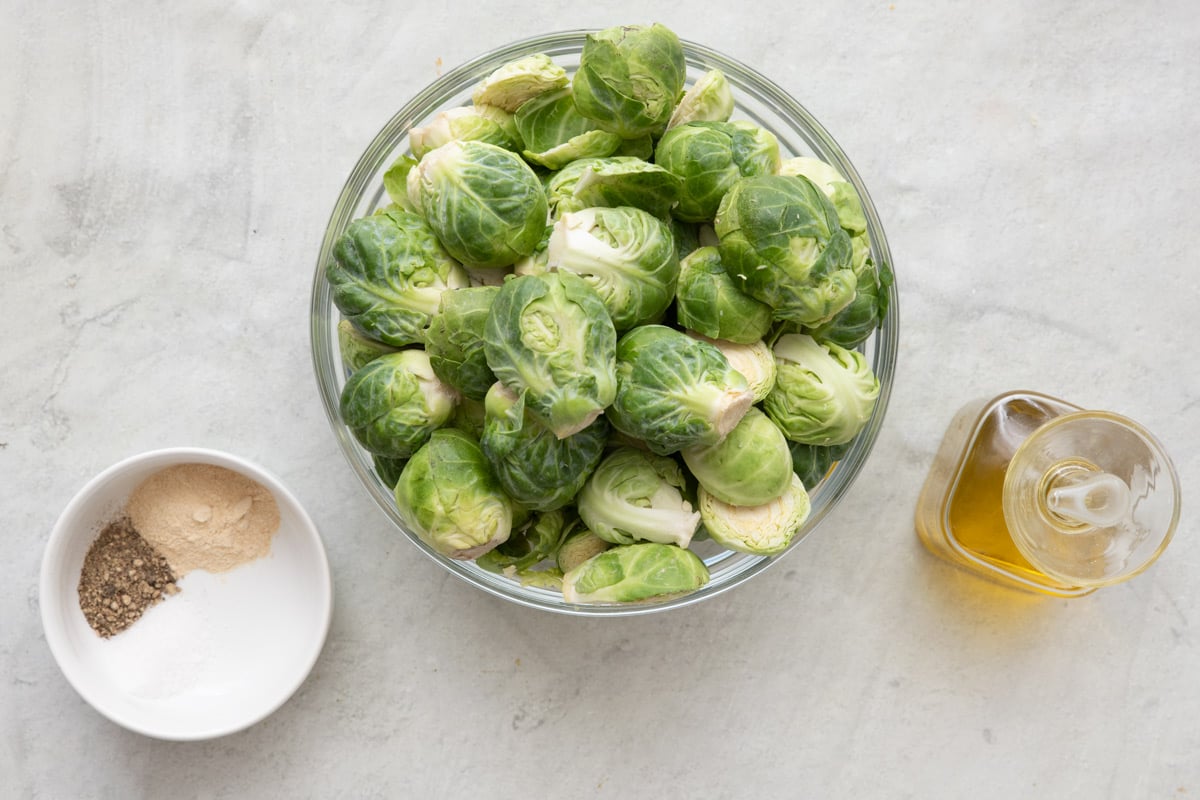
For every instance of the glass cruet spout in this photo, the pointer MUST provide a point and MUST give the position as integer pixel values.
(1098, 500)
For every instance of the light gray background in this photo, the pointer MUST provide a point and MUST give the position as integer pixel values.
(166, 173)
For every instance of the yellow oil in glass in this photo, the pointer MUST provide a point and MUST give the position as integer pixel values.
(960, 513)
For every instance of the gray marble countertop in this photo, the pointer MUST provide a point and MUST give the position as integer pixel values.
(166, 173)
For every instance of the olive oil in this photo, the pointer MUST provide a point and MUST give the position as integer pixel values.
(960, 514)
(1035, 493)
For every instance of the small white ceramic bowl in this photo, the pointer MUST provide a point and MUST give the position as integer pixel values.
(222, 654)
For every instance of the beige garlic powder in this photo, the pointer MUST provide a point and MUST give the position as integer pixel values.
(203, 516)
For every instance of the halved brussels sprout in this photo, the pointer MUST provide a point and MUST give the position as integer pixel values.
(484, 202)
(555, 134)
(465, 123)
(710, 157)
(629, 79)
(763, 530)
(709, 100)
(395, 402)
(824, 394)
(674, 391)
(513, 84)
(781, 239)
(454, 340)
(448, 496)
(627, 255)
(634, 495)
(709, 301)
(635, 572)
(749, 467)
(388, 273)
(550, 336)
(536, 468)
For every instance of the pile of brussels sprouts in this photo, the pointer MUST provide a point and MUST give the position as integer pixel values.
(600, 321)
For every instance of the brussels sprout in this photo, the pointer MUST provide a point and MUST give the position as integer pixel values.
(854, 324)
(578, 546)
(625, 254)
(710, 157)
(485, 204)
(674, 391)
(555, 134)
(535, 541)
(356, 348)
(551, 337)
(780, 238)
(387, 276)
(839, 191)
(811, 462)
(612, 182)
(395, 402)
(629, 79)
(824, 394)
(762, 530)
(516, 82)
(448, 496)
(634, 495)
(709, 100)
(465, 123)
(395, 183)
(635, 572)
(536, 468)
(749, 467)
(709, 301)
(754, 361)
(454, 340)
(388, 469)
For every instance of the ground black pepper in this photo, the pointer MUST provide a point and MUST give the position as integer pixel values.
(123, 575)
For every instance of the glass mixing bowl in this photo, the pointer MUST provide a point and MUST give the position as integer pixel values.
(758, 100)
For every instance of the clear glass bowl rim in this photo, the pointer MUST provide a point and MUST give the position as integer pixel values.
(364, 178)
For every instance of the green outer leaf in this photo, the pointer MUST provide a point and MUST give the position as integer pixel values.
(394, 403)
(635, 572)
(387, 276)
(630, 78)
(454, 340)
(674, 391)
(448, 496)
(513, 84)
(555, 133)
(709, 301)
(550, 336)
(811, 462)
(709, 100)
(485, 203)
(627, 181)
(536, 468)
(356, 348)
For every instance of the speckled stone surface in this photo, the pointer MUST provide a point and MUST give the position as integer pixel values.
(166, 173)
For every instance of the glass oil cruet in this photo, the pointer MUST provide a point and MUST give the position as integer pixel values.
(1039, 494)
